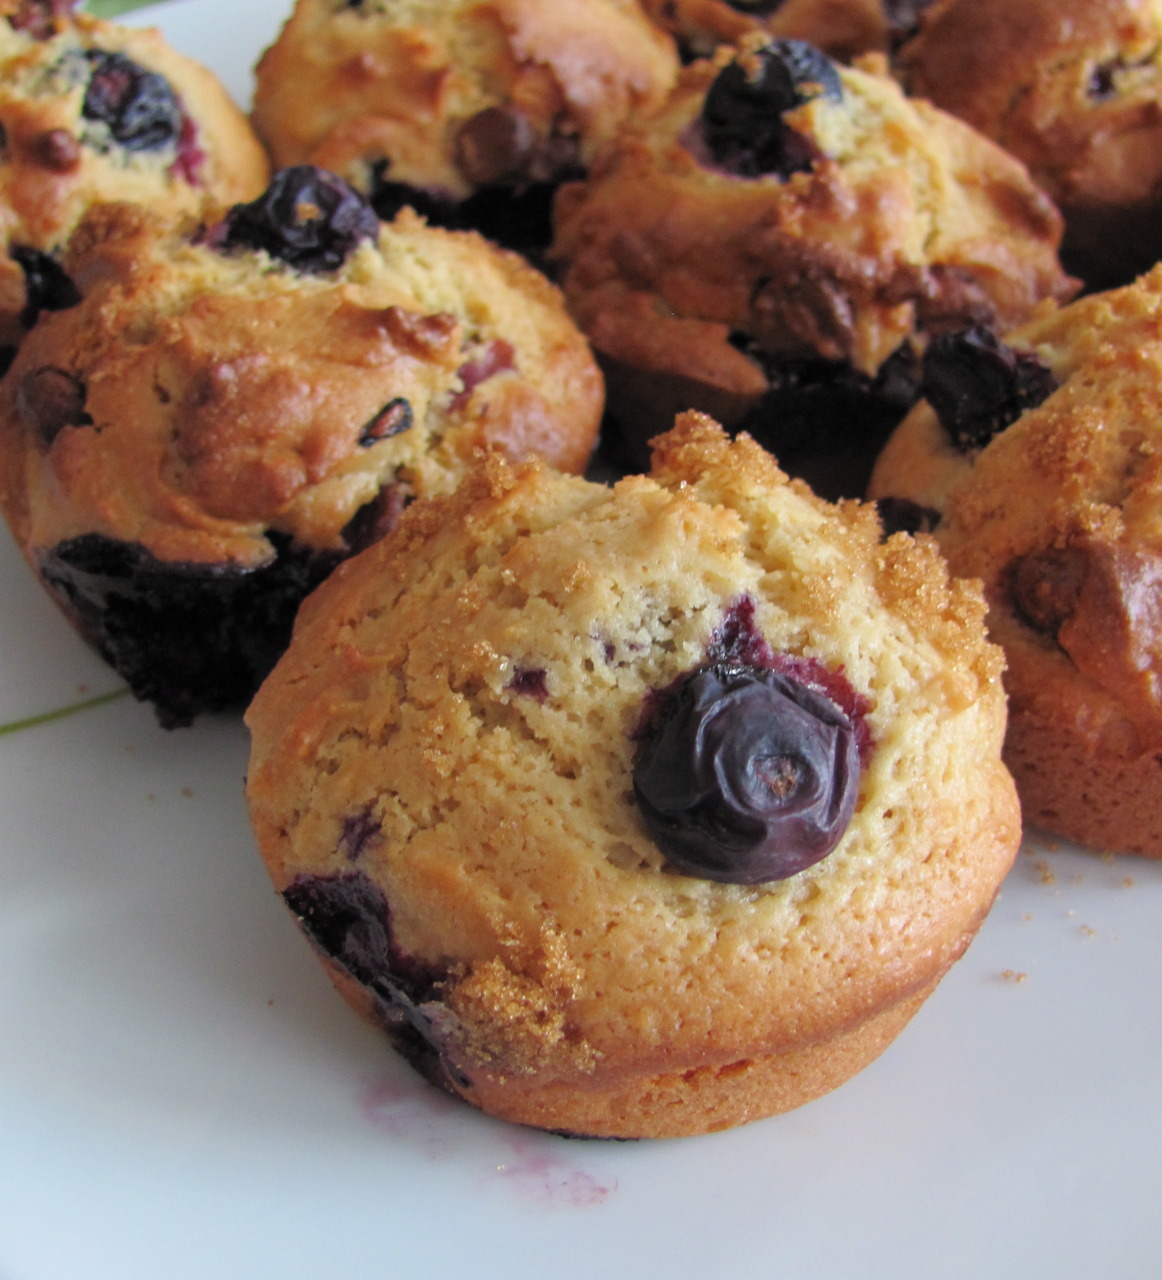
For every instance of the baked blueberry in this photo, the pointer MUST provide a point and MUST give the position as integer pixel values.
(979, 385)
(307, 218)
(138, 107)
(747, 775)
(742, 116)
(189, 638)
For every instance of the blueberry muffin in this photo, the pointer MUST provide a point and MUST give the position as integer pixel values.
(637, 810)
(842, 28)
(1036, 461)
(471, 113)
(230, 410)
(90, 112)
(774, 243)
(1074, 89)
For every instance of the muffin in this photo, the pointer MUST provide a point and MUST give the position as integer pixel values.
(774, 244)
(229, 411)
(470, 113)
(1036, 461)
(637, 810)
(93, 112)
(842, 28)
(1072, 88)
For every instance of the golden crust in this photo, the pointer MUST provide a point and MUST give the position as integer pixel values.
(45, 189)
(1073, 89)
(910, 221)
(1072, 491)
(227, 393)
(844, 28)
(397, 80)
(584, 986)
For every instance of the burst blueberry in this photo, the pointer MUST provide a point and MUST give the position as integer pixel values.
(139, 107)
(308, 218)
(742, 117)
(979, 385)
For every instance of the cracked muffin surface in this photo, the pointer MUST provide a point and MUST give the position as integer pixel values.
(255, 400)
(89, 112)
(448, 768)
(1055, 508)
(775, 244)
(470, 112)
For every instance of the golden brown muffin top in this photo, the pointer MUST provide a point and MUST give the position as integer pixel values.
(60, 156)
(457, 94)
(906, 221)
(844, 28)
(1060, 514)
(1071, 87)
(455, 722)
(198, 398)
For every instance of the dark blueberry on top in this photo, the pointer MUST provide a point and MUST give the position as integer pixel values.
(742, 117)
(47, 287)
(737, 641)
(308, 218)
(747, 775)
(139, 107)
(978, 385)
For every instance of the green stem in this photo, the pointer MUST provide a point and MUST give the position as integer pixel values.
(46, 717)
(112, 8)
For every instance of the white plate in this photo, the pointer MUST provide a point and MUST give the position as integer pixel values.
(183, 1095)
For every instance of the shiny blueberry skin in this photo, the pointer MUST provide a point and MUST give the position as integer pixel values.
(139, 107)
(978, 385)
(746, 775)
(308, 218)
(742, 117)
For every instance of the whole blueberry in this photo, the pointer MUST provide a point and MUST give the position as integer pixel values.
(308, 218)
(746, 775)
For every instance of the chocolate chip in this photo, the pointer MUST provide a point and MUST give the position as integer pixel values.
(1047, 585)
(48, 400)
(57, 150)
(495, 146)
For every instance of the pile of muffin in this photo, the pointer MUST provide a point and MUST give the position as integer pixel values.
(656, 801)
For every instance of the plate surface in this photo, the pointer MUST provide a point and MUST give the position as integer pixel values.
(182, 1095)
